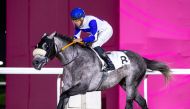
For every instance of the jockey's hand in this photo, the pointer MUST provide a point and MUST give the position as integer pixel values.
(77, 40)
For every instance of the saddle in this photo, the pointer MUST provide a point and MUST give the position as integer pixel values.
(118, 58)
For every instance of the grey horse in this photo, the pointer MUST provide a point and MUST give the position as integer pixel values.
(82, 69)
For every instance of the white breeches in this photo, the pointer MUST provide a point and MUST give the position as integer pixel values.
(103, 37)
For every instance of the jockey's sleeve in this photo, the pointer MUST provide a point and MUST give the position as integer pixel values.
(93, 30)
(77, 33)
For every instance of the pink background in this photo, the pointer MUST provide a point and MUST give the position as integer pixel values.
(155, 29)
(159, 29)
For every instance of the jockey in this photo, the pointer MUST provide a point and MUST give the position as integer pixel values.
(100, 32)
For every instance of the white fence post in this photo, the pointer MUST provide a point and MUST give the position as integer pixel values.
(58, 88)
(146, 89)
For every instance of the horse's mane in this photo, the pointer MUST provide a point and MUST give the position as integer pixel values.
(64, 37)
(69, 39)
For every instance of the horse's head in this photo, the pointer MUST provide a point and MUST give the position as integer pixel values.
(44, 51)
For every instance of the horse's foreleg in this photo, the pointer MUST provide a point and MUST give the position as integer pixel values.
(64, 98)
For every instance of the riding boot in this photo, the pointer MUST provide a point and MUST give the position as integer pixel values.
(105, 57)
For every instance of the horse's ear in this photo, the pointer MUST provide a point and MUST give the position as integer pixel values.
(45, 34)
(52, 35)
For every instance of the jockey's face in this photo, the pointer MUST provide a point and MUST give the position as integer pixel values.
(78, 22)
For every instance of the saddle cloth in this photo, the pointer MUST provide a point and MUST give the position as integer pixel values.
(118, 58)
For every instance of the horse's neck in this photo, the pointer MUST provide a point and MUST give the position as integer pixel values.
(63, 56)
(77, 53)
(59, 43)
(73, 51)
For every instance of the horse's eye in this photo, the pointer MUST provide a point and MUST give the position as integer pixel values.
(45, 46)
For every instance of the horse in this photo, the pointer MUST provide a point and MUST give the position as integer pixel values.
(82, 69)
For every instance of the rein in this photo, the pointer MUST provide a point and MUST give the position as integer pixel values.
(63, 48)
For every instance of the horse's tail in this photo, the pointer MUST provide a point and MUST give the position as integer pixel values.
(159, 66)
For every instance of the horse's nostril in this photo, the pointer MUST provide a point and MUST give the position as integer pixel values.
(36, 62)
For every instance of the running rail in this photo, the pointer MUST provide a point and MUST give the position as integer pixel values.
(57, 71)
(30, 70)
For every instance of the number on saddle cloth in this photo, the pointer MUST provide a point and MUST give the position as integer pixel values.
(118, 58)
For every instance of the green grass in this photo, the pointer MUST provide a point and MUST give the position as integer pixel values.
(2, 99)
(2, 78)
(2, 91)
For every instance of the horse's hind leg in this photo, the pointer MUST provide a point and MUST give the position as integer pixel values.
(138, 98)
(131, 92)
(130, 89)
(141, 101)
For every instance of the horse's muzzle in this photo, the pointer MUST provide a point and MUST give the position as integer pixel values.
(39, 62)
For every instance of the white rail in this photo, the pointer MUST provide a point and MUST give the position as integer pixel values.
(1, 62)
(26, 70)
(2, 83)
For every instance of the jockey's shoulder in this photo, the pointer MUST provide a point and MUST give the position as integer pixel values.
(91, 17)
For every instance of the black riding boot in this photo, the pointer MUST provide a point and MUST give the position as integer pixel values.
(105, 57)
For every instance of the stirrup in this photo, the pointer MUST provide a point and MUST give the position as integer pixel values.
(108, 69)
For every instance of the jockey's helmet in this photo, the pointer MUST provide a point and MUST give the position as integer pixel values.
(77, 13)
